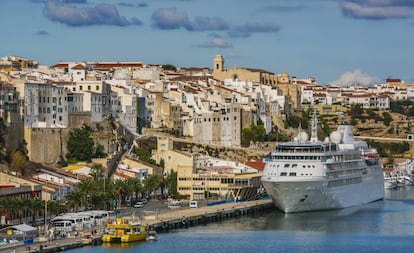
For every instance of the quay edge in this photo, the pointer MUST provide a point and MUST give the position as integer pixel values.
(203, 215)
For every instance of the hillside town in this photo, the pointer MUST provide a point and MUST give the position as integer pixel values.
(191, 119)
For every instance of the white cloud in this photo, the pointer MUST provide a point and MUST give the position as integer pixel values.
(355, 77)
(216, 43)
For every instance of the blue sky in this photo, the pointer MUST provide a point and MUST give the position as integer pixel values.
(361, 41)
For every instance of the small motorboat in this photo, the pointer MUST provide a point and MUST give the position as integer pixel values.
(152, 235)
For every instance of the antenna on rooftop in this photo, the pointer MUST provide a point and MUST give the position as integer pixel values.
(314, 128)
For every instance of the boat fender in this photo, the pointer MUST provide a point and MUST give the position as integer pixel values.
(184, 220)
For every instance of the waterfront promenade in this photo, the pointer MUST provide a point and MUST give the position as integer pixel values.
(175, 218)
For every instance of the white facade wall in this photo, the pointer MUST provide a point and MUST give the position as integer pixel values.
(362, 100)
(307, 96)
(152, 74)
(410, 93)
(76, 75)
(207, 161)
(97, 109)
(188, 125)
(267, 123)
(87, 101)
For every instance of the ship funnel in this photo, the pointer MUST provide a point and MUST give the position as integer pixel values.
(346, 132)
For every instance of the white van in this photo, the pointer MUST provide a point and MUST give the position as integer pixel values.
(193, 204)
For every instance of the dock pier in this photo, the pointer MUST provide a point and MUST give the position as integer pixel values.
(203, 215)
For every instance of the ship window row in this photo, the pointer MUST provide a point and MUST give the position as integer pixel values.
(311, 149)
(296, 157)
(342, 182)
(287, 165)
(292, 174)
(336, 174)
(343, 166)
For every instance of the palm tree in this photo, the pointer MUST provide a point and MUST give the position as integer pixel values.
(34, 206)
(152, 183)
(18, 207)
(73, 198)
(5, 207)
(119, 191)
(133, 187)
(86, 188)
(55, 208)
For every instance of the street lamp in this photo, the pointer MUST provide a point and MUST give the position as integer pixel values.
(46, 225)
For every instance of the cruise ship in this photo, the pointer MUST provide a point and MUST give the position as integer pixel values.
(309, 175)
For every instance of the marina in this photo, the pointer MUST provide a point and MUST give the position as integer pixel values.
(174, 219)
(380, 226)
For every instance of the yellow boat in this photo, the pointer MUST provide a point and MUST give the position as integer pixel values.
(122, 230)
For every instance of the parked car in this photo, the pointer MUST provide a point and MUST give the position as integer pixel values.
(174, 205)
(193, 204)
(138, 205)
(141, 201)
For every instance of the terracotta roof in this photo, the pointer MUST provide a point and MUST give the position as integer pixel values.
(79, 66)
(256, 164)
(393, 80)
(117, 64)
(60, 65)
(259, 70)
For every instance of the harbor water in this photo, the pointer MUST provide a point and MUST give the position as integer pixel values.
(382, 226)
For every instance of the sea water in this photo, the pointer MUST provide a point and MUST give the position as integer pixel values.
(381, 226)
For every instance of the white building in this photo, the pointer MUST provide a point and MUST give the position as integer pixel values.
(45, 105)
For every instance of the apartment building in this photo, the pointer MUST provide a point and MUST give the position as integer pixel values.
(221, 125)
(45, 105)
(172, 159)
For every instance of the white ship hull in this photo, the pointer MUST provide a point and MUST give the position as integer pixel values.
(301, 196)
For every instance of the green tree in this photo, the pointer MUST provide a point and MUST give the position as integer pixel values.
(80, 144)
(171, 183)
(169, 67)
(246, 137)
(19, 162)
(258, 133)
(357, 109)
(144, 154)
(99, 151)
(387, 118)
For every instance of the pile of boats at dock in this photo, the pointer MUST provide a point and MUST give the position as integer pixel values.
(393, 181)
(399, 175)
